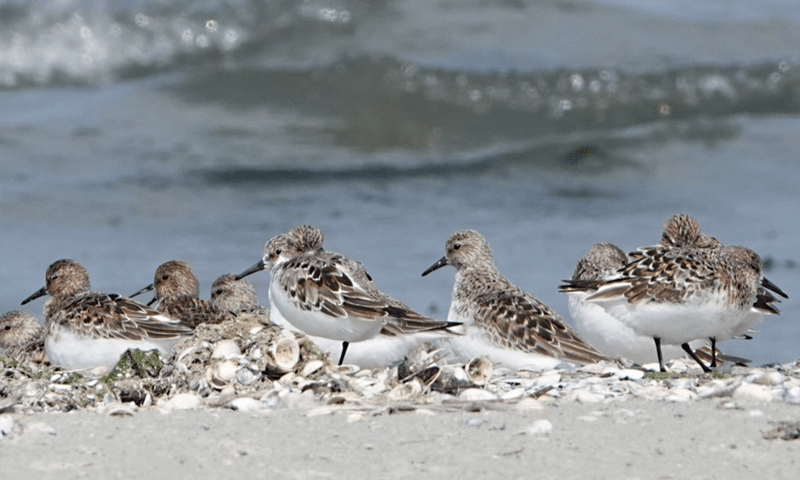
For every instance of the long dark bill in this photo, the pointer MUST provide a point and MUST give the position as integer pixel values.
(145, 289)
(441, 263)
(39, 293)
(255, 268)
(771, 286)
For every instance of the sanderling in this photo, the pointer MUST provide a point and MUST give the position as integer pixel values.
(328, 295)
(502, 321)
(86, 329)
(603, 331)
(22, 338)
(238, 298)
(687, 287)
(177, 295)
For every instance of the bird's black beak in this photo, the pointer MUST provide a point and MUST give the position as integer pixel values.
(39, 293)
(771, 286)
(255, 268)
(441, 263)
(145, 289)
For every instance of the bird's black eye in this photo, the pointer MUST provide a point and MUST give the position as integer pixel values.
(7, 327)
(278, 252)
(218, 292)
(456, 246)
(164, 277)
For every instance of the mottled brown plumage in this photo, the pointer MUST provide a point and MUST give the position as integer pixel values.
(78, 321)
(177, 293)
(500, 314)
(22, 338)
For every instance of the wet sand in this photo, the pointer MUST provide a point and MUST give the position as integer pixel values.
(620, 439)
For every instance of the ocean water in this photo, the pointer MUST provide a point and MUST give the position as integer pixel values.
(141, 131)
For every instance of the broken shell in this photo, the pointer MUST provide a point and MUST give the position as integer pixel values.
(284, 355)
(405, 391)
(226, 349)
(311, 367)
(221, 374)
(479, 370)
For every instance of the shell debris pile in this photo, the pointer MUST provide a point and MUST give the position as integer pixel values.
(249, 366)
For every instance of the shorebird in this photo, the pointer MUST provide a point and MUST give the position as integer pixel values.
(86, 329)
(22, 338)
(687, 287)
(325, 294)
(501, 320)
(177, 295)
(605, 332)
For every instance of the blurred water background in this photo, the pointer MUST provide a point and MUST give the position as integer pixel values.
(139, 131)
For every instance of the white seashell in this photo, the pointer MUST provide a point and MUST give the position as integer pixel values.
(583, 396)
(185, 353)
(753, 393)
(183, 401)
(220, 375)
(311, 367)
(405, 391)
(226, 349)
(284, 355)
(120, 410)
(479, 370)
(793, 396)
(349, 369)
(476, 395)
(245, 404)
(255, 354)
(770, 378)
(718, 388)
(630, 374)
(677, 366)
(680, 395)
(681, 382)
(245, 376)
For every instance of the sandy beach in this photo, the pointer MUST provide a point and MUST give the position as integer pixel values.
(616, 439)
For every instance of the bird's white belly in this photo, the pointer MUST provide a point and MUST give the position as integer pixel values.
(314, 322)
(73, 352)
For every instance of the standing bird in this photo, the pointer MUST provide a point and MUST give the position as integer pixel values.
(328, 295)
(86, 329)
(687, 287)
(605, 332)
(502, 321)
(177, 294)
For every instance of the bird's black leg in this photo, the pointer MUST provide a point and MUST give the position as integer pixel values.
(658, 352)
(713, 352)
(686, 348)
(344, 350)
